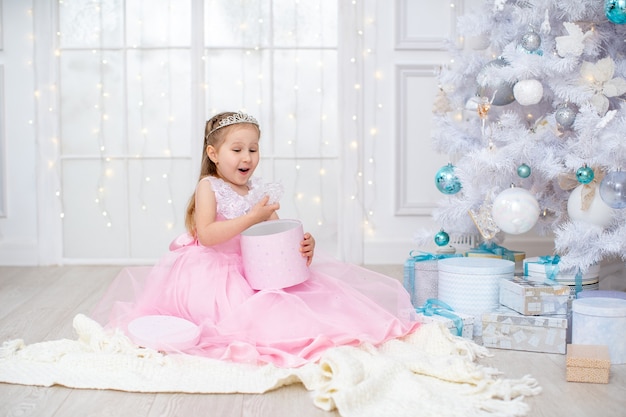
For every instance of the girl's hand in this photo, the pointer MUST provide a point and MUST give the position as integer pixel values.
(262, 211)
(307, 247)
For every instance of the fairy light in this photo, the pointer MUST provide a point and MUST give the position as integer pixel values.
(99, 130)
(296, 67)
(378, 75)
(356, 144)
(166, 96)
(322, 119)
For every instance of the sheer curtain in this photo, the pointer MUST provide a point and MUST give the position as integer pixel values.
(137, 80)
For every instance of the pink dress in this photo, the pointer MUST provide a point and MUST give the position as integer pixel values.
(340, 304)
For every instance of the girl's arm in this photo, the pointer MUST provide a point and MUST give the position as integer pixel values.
(210, 232)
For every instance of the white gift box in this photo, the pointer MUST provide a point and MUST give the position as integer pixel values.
(537, 269)
(533, 297)
(420, 280)
(472, 285)
(505, 328)
(468, 323)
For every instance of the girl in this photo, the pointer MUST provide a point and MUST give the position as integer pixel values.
(201, 279)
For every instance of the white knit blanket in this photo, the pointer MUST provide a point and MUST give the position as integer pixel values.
(429, 372)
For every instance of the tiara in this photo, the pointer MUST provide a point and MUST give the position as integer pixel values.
(234, 119)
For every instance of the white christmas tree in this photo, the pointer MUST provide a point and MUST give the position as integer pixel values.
(531, 113)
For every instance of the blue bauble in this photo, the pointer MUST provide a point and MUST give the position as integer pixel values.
(523, 171)
(615, 11)
(446, 180)
(613, 189)
(584, 174)
(442, 238)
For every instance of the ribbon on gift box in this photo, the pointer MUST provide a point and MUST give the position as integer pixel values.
(551, 265)
(439, 308)
(494, 249)
(579, 282)
(409, 268)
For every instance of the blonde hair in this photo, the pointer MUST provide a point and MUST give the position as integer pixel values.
(213, 136)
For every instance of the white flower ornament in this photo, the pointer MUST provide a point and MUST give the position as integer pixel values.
(498, 5)
(572, 44)
(599, 76)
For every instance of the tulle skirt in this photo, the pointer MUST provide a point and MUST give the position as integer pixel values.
(340, 304)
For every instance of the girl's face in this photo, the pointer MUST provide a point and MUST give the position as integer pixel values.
(237, 156)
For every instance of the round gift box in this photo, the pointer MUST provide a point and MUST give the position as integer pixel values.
(601, 321)
(472, 285)
(271, 254)
(164, 333)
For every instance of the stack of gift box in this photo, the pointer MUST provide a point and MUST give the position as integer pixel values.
(503, 300)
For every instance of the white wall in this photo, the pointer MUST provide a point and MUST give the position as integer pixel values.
(390, 173)
(18, 225)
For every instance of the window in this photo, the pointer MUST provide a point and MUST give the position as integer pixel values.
(138, 79)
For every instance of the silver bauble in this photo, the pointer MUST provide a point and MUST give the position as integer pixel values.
(498, 91)
(531, 41)
(565, 116)
(613, 189)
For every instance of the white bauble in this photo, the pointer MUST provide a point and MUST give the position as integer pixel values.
(598, 213)
(528, 92)
(515, 210)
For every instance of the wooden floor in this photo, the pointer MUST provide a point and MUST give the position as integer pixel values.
(38, 304)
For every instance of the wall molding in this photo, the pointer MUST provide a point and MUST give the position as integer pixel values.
(3, 147)
(19, 252)
(403, 207)
(403, 17)
(396, 252)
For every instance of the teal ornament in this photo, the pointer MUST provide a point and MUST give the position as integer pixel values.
(442, 238)
(615, 11)
(613, 189)
(446, 180)
(584, 174)
(523, 171)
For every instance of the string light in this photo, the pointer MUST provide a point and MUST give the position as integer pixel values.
(144, 136)
(98, 131)
(165, 68)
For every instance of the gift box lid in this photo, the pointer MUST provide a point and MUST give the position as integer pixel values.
(603, 293)
(427, 265)
(517, 255)
(505, 315)
(588, 356)
(476, 266)
(534, 266)
(561, 279)
(528, 288)
(600, 306)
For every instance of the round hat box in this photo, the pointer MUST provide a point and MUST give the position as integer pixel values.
(271, 254)
(601, 321)
(164, 333)
(472, 285)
